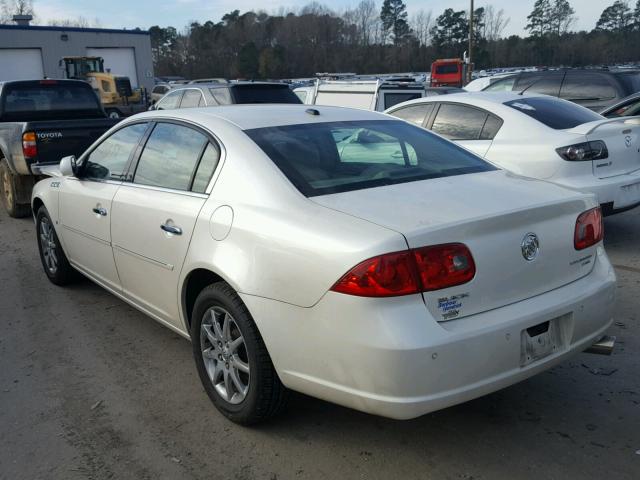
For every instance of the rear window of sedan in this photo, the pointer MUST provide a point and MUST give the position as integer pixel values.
(333, 157)
(554, 113)
(257, 93)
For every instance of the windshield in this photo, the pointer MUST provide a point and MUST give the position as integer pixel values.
(46, 101)
(554, 113)
(257, 93)
(332, 157)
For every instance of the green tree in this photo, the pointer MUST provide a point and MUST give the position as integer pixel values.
(539, 20)
(451, 30)
(636, 16)
(562, 16)
(248, 60)
(615, 18)
(394, 20)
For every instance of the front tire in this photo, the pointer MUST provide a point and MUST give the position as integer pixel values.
(232, 360)
(56, 266)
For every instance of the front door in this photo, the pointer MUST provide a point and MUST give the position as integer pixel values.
(85, 205)
(154, 216)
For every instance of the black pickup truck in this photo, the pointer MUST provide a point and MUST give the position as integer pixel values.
(42, 121)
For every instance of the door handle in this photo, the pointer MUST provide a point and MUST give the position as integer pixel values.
(100, 211)
(171, 229)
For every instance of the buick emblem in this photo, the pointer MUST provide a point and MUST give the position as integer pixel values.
(627, 141)
(530, 247)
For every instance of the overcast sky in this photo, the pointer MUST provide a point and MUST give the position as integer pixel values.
(179, 13)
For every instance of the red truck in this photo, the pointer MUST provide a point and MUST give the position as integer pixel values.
(447, 72)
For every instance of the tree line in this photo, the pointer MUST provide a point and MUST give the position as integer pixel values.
(379, 37)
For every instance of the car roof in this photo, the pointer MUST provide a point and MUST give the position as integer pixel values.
(480, 99)
(249, 116)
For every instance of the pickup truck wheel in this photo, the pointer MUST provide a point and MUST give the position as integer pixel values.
(232, 360)
(9, 194)
(54, 261)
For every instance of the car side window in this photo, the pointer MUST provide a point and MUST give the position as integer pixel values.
(221, 95)
(503, 85)
(491, 128)
(587, 86)
(459, 122)
(108, 160)
(205, 170)
(414, 113)
(169, 101)
(191, 98)
(170, 156)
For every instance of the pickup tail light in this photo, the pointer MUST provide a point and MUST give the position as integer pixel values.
(29, 147)
(596, 150)
(589, 229)
(408, 272)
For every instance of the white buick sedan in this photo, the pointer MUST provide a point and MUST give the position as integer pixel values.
(541, 137)
(340, 253)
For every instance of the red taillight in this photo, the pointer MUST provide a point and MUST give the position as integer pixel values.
(29, 148)
(443, 266)
(589, 229)
(388, 275)
(48, 82)
(408, 272)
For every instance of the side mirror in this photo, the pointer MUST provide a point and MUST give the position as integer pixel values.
(68, 166)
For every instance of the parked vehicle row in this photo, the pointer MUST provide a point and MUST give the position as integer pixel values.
(541, 137)
(338, 252)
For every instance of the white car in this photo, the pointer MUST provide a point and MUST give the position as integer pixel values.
(541, 137)
(341, 253)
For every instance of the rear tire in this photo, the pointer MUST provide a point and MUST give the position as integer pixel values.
(56, 266)
(9, 192)
(233, 363)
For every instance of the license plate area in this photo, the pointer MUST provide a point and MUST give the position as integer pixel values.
(544, 339)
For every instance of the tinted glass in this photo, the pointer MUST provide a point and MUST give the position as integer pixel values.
(447, 69)
(324, 158)
(221, 95)
(207, 166)
(545, 84)
(457, 122)
(629, 109)
(257, 93)
(587, 86)
(35, 101)
(190, 99)
(391, 99)
(415, 113)
(109, 159)
(503, 85)
(630, 81)
(170, 156)
(160, 89)
(491, 128)
(170, 101)
(557, 114)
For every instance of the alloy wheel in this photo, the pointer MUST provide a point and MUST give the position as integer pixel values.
(48, 244)
(225, 355)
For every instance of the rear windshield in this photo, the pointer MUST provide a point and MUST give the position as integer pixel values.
(44, 101)
(554, 113)
(264, 94)
(332, 157)
(391, 99)
(630, 80)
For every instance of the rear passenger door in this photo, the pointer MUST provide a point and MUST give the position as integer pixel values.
(154, 214)
(471, 127)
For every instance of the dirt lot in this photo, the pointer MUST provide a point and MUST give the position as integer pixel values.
(90, 388)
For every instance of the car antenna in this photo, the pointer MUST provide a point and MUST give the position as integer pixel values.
(528, 87)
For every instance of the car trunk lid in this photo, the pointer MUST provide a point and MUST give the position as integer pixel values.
(493, 213)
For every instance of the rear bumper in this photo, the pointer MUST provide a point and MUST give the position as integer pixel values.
(390, 358)
(615, 194)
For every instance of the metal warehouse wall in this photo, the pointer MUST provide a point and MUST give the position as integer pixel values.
(50, 40)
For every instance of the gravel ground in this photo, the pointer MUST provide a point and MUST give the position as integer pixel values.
(91, 388)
